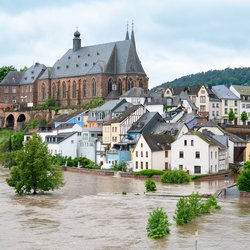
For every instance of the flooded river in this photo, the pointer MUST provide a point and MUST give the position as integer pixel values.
(90, 212)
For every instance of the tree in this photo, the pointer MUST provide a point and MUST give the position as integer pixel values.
(244, 117)
(17, 140)
(231, 115)
(5, 70)
(24, 69)
(243, 182)
(158, 224)
(34, 171)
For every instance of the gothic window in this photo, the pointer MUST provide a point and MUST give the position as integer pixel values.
(74, 90)
(84, 89)
(119, 87)
(93, 87)
(130, 84)
(58, 90)
(141, 83)
(43, 91)
(53, 90)
(110, 83)
(64, 90)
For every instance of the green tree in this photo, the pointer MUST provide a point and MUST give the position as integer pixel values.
(24, 69)
(150, 185)
(34, 171)
(244, 117)
(51, 102)
(231, 115)
(17, 140)
(243, 182)
(158, 224)
(5, 70)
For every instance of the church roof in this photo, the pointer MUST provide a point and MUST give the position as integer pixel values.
(115, 58)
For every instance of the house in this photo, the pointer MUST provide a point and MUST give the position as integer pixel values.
(64, 144)
(242, 92)
(144, 125)
(214, 107)
(228, 101)
(198, 154)
(135, 96)
(152, 152)
(116, 129)
(100, 115)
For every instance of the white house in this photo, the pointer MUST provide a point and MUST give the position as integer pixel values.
(199, 154)
(152, 152)
(64, 144)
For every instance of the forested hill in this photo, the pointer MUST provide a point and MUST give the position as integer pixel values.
(228, 76)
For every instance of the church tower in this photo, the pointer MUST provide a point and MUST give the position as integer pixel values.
(76, 41)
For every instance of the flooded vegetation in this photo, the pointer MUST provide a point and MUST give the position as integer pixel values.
(90, 212)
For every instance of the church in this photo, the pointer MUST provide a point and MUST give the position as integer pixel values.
(105, 70)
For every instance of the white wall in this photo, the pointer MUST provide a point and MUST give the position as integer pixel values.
(155, 108)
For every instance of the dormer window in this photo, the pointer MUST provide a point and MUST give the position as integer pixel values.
(58, 67)
(32, 77)
(68, 57)
(67, 66)
(78, 56)
(88, 54)
(86, 64)
(98, 53)
(32, 72)
(93, 63)
(77, 65)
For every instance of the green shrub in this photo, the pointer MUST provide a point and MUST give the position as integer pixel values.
(149, 172)
(158, 224)
(175, 176)
(122, 166)
(8, 159)
(187, 208)
(150, 185)
(243, 182)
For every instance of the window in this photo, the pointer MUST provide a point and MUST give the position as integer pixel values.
(84, 89)
(193, 99)
(119, 87)
(217, 113)
(235, 103)
(217, 105)
(5, 89)
(213, 113)
(130, 84)
(64, 90)
(185, 142)
(226, 111)
(141, 154)
(192, 142)
(197, 154)
(213, 105)
(13, 89)
(203, 92)
(72, 141)
(146, 165)
(53, 90)
(141, 145)
(74, 90)
(93, 87)
(236, 111)
(136, 164)
(166, 165)
(215, 155)
(197, 169)
(166, 153)
(43, 91)
(243, 106)
(110, 83)
(136, 153)
(146, 153)
(202, 108)
(180, 167)
(203, 99)
(141, 165)
(181, 154)
(211, 155)
(225, 102)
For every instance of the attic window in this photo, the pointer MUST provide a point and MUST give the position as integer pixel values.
(98, 53)
(58, 67)
(67, 66)
(32, 77)
(68, 57)
(77, 65)
(88, 54)
(78, 56)
(32, 72)
(86, 64)
(93, 63)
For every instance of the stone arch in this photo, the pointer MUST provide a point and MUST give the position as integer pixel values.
(110, 83)
(130, 84)
(141, 83)
(10, 121)
(119, 86)
(21, 118)
(74, 89)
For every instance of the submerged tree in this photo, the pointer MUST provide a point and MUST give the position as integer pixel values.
(34, 171)
(244, 117)
(231, 115)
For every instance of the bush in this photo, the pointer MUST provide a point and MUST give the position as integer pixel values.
(150, 185)
(122, 166)
(8, 159)
(243, 182)
(175, 176)
(149, 172)
(187, 208)
(158, 224)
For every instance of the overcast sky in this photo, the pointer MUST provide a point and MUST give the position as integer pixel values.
(173, 37)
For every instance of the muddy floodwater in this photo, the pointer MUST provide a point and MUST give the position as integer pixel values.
(90, 212)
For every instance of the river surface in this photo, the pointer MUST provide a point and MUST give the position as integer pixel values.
(90, 212)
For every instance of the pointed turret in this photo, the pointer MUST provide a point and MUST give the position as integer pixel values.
(76, 40)
(127, 35)
(132, 34)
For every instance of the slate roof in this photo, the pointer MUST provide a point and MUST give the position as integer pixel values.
(242, 90)
(66, 117)
(56, 139)
(110, 105)
(222, 92)
(65, 126)
(158, 142)
(27, 77)
(114, 58)
(135, 92)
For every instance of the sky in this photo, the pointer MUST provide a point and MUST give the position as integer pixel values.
(173, 37)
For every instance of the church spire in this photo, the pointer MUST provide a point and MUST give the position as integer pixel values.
(127, 35)
(132, 34)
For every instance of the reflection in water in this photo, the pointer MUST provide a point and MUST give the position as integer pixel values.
(90, 212)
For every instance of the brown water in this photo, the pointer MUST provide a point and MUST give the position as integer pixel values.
(90, 212)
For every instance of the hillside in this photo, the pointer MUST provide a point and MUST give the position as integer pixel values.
(228, 76)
